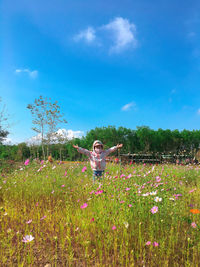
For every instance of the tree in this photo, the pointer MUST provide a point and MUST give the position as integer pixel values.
(54, 117)
(46, 117)
(3, 122)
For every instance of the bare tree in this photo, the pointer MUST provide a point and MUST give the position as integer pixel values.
(46, 117)
(3, 122)
(54, 118)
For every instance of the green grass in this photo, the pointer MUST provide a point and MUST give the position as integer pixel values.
(114, 227)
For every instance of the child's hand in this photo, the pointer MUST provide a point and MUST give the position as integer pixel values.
(119, 145)
(75, 146)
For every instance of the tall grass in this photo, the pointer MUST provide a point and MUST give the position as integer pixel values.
(110, 223)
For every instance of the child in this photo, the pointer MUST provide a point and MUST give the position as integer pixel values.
(97, 157)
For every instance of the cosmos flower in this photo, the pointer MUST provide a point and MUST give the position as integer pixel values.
(84, 169)
(158, 179)
(192, 190)
(28, 222)
(98, 192)
(157, 199)
(193, 224)
(27, 238)
(126, 224)
(148, 243)
(153, 193)
(154, 209)
(195, 211)
(26, 162)
(84, 206)
(114, 227)
(155, 244)
(146, 194)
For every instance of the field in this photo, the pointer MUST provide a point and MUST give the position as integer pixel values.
(139, 215)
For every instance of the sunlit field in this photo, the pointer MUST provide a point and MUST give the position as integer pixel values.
(139, 215)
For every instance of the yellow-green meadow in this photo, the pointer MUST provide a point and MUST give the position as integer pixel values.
(138, 215)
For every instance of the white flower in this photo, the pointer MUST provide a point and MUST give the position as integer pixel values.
(27, 238)
(126, 224)
(171, 198)
(157, 199)
(53, 167)
(153, 193)
(145, 195)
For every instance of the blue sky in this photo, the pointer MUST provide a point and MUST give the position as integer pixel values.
(121, 63)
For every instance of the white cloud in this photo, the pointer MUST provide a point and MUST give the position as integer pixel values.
(32, 74)
(87, 35)
(58, 136)
(123, 34)
(7, 141)
(128, 106)
(198, 111)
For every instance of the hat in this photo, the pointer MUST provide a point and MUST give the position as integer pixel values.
(96, 143)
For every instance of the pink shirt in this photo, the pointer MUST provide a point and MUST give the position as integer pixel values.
(97, 161)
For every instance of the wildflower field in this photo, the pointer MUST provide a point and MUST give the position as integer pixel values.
(139, 215)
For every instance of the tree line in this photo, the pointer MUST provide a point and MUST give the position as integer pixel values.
(141, 140)
(47, 118)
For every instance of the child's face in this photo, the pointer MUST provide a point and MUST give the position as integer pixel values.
(98, 148)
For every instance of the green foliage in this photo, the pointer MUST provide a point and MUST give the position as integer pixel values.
(143, 140)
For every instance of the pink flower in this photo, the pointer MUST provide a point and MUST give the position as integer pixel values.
(43, 218)
(42, 161)
(154, 209)
(122, 175)
(28, 221)
(193, 224)
(122, 201)
(52, 192)
(65, 173)
(92, 220)
(129, 176)
(155, 244)
(99, 192)
(130, 205)
(114, 227)
(148, 243)
(37, 204)
(158, 179)
(127, 189)
(84, 169)
(84, 206)
(27, 238)
(26, 162)
(91, 192)
(192, 190)
(63, 185)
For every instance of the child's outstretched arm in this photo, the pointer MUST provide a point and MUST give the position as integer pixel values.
(112, 149)
(82, 150)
